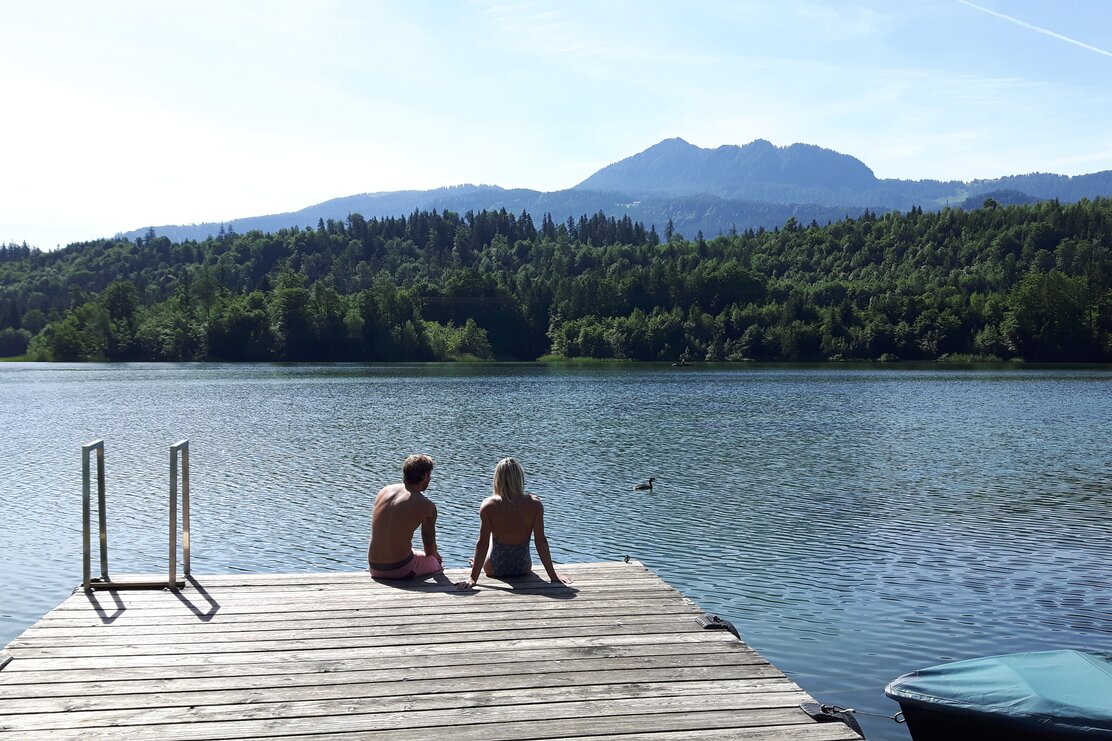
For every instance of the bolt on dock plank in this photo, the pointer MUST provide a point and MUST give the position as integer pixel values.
(616, 655)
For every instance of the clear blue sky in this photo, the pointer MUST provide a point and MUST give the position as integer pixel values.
(119, 115)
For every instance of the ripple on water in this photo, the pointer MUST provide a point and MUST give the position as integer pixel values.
(854, 524)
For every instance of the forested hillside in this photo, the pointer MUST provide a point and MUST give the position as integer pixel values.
(690, 213)
(1024, 281)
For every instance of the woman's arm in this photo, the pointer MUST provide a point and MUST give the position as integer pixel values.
(482, 547)
(542, 547)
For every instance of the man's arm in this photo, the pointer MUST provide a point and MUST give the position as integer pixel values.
(374, 513)
(428, 533)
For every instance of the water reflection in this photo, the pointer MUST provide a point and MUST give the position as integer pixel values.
(854, 523)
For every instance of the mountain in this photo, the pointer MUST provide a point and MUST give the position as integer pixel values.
(675, 167)
(708, 190)
(368, 204)
(806, 174)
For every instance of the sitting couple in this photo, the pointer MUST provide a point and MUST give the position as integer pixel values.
(510, 517)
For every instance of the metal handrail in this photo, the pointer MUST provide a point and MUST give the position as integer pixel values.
(178, 449)
(86, 505)
(181, 448)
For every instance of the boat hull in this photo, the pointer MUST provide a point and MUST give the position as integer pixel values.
(1039, 696)
(930, 724)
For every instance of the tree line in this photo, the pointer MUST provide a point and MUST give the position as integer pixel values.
(1029, 282)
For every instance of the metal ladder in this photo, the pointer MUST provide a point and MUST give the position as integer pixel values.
(178, 449)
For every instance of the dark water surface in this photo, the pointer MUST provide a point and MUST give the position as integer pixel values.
(854, 523)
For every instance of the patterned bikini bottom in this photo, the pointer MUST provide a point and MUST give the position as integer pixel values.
(510, 560)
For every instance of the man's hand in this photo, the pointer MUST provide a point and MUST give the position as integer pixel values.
(561, 579)
(465, 584)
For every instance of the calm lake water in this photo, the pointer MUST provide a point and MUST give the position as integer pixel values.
(854, 523)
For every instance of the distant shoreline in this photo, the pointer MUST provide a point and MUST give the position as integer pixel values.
(957, 364)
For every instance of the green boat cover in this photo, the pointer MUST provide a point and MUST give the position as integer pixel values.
(1065, 691)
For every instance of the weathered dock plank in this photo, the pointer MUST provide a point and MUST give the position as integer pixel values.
(618, 654)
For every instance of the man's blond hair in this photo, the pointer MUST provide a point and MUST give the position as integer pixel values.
(415, 468)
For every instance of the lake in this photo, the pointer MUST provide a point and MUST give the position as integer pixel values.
(853, 522)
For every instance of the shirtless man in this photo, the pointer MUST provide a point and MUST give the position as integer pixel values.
(399, 510)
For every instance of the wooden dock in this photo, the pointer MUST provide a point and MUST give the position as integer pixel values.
(617, 655)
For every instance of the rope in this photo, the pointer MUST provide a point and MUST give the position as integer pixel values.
(897, 718)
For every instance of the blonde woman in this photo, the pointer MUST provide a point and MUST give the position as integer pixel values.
(510, 517)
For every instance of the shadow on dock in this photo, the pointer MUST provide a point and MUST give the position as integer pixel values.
(531, 584)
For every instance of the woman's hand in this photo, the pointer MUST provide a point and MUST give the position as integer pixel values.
(561, 579)
(466, 584)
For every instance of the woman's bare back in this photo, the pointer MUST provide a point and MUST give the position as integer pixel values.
(511, 521)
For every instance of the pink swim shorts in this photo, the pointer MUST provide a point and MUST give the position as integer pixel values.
(415, 565)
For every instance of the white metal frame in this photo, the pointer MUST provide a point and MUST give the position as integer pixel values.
(86, 507)
(178, 450)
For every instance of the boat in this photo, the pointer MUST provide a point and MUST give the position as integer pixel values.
(1043, 696)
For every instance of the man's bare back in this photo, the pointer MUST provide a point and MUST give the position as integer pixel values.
(399, 510)
(397, 515)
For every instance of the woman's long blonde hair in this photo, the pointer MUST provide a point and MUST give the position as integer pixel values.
(509, 480)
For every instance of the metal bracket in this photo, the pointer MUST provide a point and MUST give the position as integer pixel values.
(713, 622)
